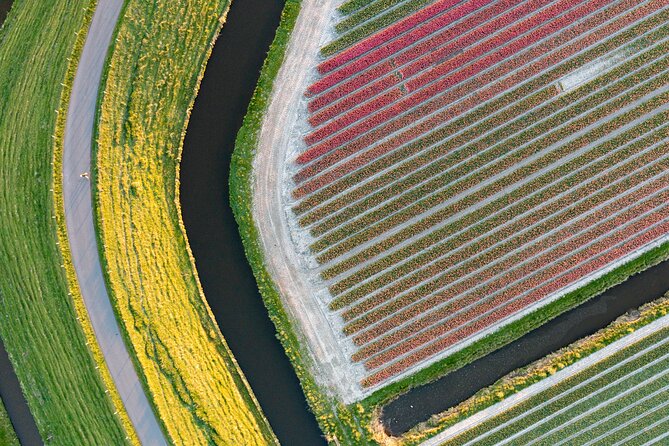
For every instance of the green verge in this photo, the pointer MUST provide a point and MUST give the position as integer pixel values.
(151, 79)
(7, 434)
(339, 422)
(39, 320)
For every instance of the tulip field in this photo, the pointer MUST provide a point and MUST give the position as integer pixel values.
(620, 400)
(470, 159)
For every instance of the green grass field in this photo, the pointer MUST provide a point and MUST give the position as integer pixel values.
(152, 76)
(39, 321)
(7, 434)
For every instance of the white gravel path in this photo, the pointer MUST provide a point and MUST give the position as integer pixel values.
(279, 140)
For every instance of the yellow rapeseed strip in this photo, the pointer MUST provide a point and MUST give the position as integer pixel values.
(196, 386)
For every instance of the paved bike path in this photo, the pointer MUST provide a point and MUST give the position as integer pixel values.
(77, 199)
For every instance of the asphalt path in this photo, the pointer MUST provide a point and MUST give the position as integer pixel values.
(77, 199)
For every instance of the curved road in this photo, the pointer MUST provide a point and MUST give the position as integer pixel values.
(79, 219)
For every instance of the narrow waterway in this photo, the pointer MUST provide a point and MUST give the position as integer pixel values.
(422, 402)
(5, 6)
(15, 403)
(226, 277)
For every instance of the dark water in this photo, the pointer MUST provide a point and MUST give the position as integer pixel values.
(226, 277)
(422, 402)
(5, 6)
(15, 403)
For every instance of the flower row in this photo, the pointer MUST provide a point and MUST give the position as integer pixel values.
(502, 274)
(384, 35)
(419, 200)
(572, 186)
(522, 193)
(578, 273)
(430, 58)
(354, 76)
(549, 59)
(462, 249)
(442, 166)
(504, 41)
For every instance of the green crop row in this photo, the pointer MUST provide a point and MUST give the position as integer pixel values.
(372, 26)
(601, 190)
(470, 151)
(564, 393)
(528, 88)
(370, 10)
(370, 229)
(566, 181)
(351, 6)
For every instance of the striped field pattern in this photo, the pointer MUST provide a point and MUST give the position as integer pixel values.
(468, 159)
(620, 400)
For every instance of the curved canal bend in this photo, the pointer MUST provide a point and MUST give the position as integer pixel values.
(230, 287)
(226, 277)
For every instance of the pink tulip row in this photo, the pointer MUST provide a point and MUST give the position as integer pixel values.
(386, 34)
(504, 41)
(547, 60)
(443, 256)
(560, 180)
(430, 58)
(457, 297)
(418, 200)
(341, 210)
(353, 76)
(576, 187)
(576, 274)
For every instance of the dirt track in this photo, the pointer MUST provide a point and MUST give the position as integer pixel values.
(279, 142)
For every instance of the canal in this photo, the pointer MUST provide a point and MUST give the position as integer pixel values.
(421, 403)
(227, 279)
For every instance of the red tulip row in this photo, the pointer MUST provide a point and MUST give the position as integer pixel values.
(444, 256)
(461, 296)
(444, 153)
(548, 59)
(394, 314)
(371, 225)
(465, 151)
(441, 36)
(561, 181)
(506, 42)
(431, 60)
(565, 180)
(386, 34)
(572, 276)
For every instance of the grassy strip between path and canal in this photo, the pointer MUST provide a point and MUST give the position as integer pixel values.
(47, 345)
(7, 434)
(152, 77)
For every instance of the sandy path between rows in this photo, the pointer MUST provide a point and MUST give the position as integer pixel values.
(279, 141)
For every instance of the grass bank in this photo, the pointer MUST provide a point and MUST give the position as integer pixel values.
(39, 325)
(7, 434)
(152, 77)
